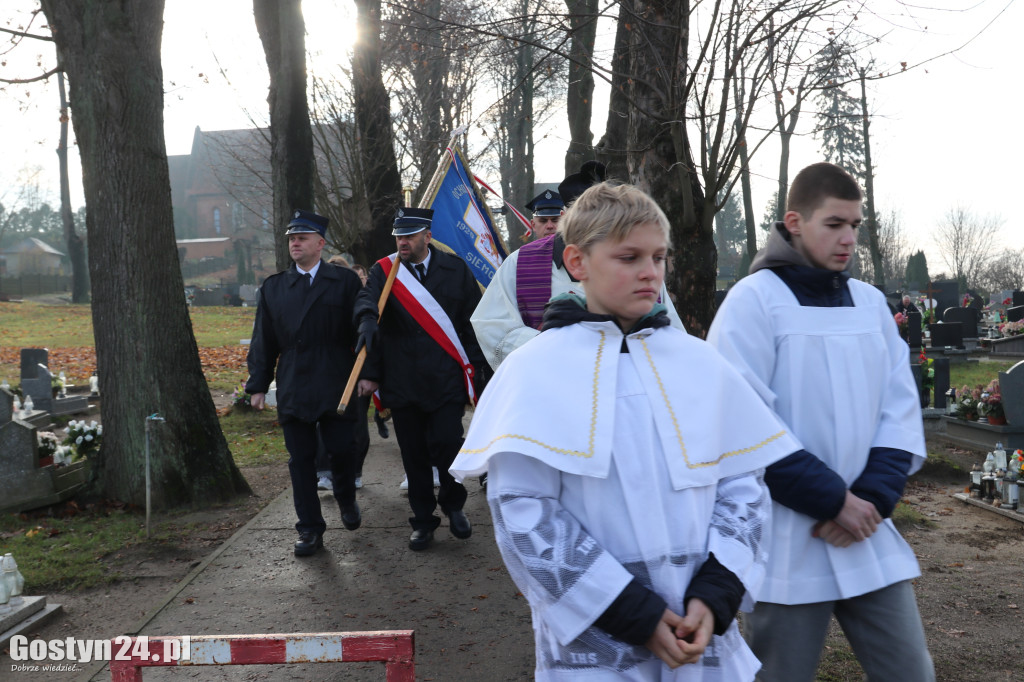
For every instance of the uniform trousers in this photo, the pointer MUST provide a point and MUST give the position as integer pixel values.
(430, 439)
(300, 438)
(883, 627)
(361, 432)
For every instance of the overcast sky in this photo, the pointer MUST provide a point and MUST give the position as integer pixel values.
(942, 133)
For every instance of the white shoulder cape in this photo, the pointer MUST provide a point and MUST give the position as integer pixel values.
(554, 400)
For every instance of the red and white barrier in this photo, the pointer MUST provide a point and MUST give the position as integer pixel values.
(393, 647)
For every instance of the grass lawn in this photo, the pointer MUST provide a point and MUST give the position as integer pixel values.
(64, 551)
(974, 373)
(67, 331)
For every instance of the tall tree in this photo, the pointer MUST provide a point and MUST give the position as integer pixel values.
(917, 271)
(967, 243)
(839, 113)
(74, 242)
(611, 149)
(146, 353)
(683, 79)
(871, 223)
(283, 34)
(579, 100)
(383, 184)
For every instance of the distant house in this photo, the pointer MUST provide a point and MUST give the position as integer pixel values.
(30, 256)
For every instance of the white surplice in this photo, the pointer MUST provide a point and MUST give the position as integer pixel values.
(840, 378)
(608, 466)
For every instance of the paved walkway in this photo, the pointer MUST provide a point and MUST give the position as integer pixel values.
(469, 621)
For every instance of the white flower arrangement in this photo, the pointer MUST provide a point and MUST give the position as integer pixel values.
(83, 438)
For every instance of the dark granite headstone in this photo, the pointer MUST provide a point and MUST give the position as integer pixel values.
(914, 329)
(6, 406)
(36, 380)
(944, 335)
(946, 295)
(1015, 314)
(968, 317)
(31, 358)
(1011, 385)
(1018, 298)
(941, 385)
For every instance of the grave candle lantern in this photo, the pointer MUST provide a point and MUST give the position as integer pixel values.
(1011, 498)
(94, 385)
(976, 475)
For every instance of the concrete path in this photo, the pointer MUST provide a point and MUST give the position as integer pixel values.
(470, 622)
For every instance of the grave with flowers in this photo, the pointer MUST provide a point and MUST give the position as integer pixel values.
(983, 416)
(38, 467)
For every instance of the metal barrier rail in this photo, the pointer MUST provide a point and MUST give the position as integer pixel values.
(393, 647)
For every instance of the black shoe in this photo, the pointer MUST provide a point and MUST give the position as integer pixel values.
(458, 524)
(351, 517)
(420, 539)
(308, 543)
(382, 428)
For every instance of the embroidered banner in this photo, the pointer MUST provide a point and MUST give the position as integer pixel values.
(462, 223)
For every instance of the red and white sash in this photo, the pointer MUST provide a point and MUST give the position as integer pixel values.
(429, 314)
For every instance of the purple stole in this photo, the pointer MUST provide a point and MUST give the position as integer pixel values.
(533, 280)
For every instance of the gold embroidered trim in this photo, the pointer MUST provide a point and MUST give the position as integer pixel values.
(675, 422)
(593, 419)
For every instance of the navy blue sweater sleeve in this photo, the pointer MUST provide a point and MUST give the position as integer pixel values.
(806, 485)
(719, 589)
(882, 481)
(634, 615)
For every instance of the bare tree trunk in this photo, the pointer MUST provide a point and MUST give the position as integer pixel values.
(76, 247)
(146, 353)
(748, 199)
(376, 137)
(660, 159)
(579, 102)
(611, 150)
(869, 189)
(283, 34)
(429, 79)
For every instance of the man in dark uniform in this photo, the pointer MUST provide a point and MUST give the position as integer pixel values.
(547, 208)
(304, 327)
(425, 377)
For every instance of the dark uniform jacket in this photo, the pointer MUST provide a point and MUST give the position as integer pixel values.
(308, 333)
(410, 366)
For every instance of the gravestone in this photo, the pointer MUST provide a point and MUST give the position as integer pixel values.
(36, 379)
(947, 335)
(6, 406)
(1011, 385)
(1018, 298)
(26, 484)
(914, 329)
(1015, 314)
(205, 297)
(968, 317)
(248, 292)
(941, 383)
(946, 295)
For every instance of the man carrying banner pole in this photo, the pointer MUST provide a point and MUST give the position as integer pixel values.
(427, 364)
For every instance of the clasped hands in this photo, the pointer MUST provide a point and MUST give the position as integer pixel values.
(857, 520)
(677, 639)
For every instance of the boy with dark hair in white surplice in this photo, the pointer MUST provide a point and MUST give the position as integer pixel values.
(631, 510)
(823, 352)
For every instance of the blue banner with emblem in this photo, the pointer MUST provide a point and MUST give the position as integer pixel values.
(462, 222)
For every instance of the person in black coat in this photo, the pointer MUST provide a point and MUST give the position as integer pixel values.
(304, 327)
(423, 385)
(906, 306)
